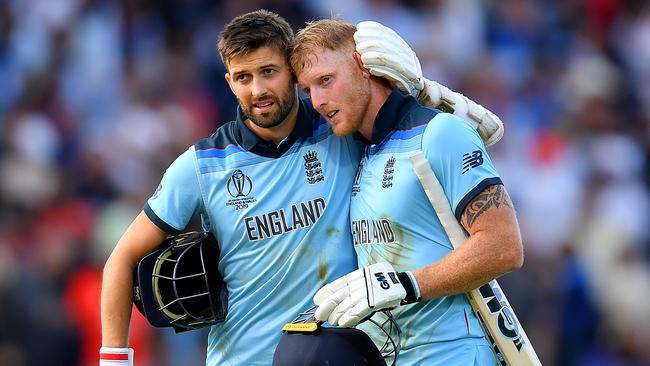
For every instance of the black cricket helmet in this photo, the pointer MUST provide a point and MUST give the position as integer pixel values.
(306, 342)
(178, 285)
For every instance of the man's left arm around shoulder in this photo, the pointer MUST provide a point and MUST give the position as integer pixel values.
(385, 54)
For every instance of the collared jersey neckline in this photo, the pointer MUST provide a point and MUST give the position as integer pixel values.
(253, 143)
(390, 114)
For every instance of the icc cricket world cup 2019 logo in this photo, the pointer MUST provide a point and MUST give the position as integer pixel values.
(239, 186)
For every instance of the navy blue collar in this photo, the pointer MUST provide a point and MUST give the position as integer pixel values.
(390, 114)
(253, 143)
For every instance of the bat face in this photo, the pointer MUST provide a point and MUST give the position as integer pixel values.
(502, 317)
(507, 324)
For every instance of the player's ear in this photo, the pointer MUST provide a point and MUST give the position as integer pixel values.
(359, 62)
(229, 81)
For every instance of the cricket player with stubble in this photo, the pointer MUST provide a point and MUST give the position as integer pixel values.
(273, 187)
(405, 257)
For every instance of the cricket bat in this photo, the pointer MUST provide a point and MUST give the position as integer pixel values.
(499, 322)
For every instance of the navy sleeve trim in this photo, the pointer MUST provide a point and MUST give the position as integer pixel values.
(159, 222)
(473, 193)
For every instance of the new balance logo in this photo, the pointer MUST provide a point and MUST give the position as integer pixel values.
(472, 160)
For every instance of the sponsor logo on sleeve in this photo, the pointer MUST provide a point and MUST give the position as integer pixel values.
(472, 160)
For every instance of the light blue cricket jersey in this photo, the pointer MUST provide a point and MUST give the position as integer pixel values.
(392, 219)
(280, 216)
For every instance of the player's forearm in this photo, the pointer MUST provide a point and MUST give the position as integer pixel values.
(140, 238)
(481, 258)
(116, 301)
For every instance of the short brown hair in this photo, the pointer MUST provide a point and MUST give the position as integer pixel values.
(248, 32)
(327, 34)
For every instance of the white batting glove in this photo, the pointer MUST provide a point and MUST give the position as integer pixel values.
(109, 356)
(385, 54)
(488, 125)
(351, 298)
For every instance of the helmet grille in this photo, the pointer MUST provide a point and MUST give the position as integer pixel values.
(184, 284)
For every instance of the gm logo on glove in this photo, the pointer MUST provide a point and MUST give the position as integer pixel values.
(382, 280)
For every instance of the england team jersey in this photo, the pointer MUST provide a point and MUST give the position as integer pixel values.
(280, 216)
(392, 219)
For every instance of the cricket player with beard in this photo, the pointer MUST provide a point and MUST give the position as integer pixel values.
(273, 187)
(405, 257)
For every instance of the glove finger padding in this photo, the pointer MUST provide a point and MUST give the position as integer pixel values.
(395, 77)
(378, 59)
(328, 300)
(328, 290)
(385, 54)
(343, 307)
(370, 29)
(383, 46)
(376, 36)
(389, 67)
(332, 295)
(354, 315)
(327, 307)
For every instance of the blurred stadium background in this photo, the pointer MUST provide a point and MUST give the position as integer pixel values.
(97, 97)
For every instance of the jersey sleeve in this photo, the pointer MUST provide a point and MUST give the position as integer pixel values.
(178, 197)
(459, 159)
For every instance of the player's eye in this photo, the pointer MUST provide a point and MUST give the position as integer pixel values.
(325, 79)
(241, 77)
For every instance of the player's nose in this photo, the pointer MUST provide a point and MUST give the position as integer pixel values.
(259, 88)
(318, 100)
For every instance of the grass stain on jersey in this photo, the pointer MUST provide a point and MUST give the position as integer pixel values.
(305, 256)
(332, 231)
(224, 349)
(323, 269)
(398, 252)
(303, 252)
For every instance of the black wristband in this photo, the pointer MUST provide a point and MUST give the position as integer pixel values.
(409, 286)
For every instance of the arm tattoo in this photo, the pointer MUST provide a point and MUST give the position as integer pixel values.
(494, 195)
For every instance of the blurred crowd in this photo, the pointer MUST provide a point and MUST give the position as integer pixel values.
(97, 97)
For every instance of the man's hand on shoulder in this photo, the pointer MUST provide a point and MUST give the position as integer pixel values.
(385, 54)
